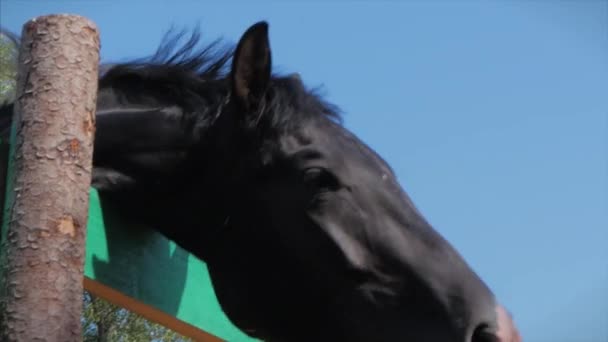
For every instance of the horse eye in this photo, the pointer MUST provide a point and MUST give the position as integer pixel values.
(320, 178)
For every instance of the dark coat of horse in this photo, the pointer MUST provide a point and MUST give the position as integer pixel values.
(305, 229)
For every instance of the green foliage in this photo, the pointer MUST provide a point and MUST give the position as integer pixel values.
(103, 321)
(8, 69)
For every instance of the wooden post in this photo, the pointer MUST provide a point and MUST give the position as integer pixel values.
(43, 249)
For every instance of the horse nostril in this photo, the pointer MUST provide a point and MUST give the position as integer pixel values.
(482, 334)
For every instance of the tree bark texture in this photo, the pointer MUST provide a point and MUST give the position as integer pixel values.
(43, 247)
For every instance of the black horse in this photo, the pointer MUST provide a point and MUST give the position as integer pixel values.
(306, 231)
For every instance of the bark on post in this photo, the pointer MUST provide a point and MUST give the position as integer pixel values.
(43, 249)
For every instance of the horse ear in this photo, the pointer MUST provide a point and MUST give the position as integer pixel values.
(251, 66)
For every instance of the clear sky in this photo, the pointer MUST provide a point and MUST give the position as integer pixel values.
(494, 114)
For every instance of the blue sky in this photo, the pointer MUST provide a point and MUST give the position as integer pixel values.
(494, 115)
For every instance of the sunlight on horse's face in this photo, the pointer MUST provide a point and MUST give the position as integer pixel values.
(340, 212)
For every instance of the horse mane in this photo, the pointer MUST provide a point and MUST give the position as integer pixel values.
(186, 62)
(195, 76)
(180, 72)
(290, 103)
